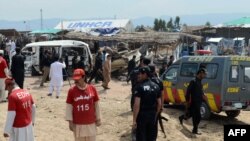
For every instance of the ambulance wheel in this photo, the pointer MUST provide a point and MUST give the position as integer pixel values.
(233, 114)
(205, 111)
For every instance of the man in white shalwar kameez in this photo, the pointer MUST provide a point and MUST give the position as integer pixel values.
(56, 76)
(21, 113)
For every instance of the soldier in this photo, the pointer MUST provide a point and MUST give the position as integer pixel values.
(146, 107)
(194, 98)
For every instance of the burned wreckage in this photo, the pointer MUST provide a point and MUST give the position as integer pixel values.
(122, 46)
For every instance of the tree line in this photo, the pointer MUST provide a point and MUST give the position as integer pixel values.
(162, 25)
(170, 26)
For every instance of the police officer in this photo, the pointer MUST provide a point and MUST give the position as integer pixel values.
(154, 78)
(134, 77)
(146, 107)
(194, 98)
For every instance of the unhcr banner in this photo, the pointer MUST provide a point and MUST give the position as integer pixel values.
(92, 24)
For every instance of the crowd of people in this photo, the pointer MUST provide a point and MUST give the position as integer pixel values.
(82, 103)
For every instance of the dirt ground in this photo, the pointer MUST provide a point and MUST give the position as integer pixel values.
(116, 117)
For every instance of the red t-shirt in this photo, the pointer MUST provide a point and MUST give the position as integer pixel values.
(3, 65)
(21, 102)
(83, 103)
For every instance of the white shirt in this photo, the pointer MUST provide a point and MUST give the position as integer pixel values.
(56, 75)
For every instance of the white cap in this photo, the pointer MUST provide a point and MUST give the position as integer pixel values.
(1, 52)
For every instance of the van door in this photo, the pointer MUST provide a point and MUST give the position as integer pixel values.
(233, 90)
(169, 79)
(245, 89)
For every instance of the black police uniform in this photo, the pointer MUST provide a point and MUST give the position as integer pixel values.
(148, 92)
(158, 82)
(194, 96)
(134, 82)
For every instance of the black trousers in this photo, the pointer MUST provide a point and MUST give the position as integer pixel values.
(196, 115)
(132, 101)
(146, 127)
(194, 112)
(94, 74)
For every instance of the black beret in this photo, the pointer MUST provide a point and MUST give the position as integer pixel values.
(144, 69)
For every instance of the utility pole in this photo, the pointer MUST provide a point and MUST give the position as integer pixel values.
(41, 10)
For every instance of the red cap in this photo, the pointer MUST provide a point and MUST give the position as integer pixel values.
(9, 81)
(78, 73)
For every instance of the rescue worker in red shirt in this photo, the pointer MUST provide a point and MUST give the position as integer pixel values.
(82, 109)
(21, 113)
(3, 75)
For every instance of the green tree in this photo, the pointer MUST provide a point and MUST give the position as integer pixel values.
(208, 24)
(177, 22)
(164, 25)
(160, 25)
(156, 24)
(170, 24)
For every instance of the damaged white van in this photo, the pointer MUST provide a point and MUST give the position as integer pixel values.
(65, 48)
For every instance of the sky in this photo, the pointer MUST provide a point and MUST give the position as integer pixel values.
(16, 10)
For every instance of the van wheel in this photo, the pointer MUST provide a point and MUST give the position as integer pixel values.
(205, 111)
(233, 114)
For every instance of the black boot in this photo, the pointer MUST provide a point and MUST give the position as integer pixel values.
(181, 119)
(195, 131)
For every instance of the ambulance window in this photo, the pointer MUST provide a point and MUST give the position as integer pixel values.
(247, 74)
(171, 74)
(211, 70)
(189, 69)
(234, 71)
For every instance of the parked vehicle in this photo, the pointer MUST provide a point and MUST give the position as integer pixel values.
(64, 48)
(239, 45)
(226, 85)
